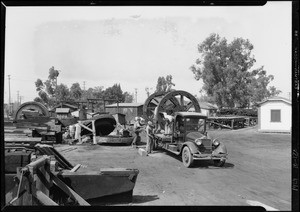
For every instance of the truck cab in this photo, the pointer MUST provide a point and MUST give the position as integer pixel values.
(188, 138)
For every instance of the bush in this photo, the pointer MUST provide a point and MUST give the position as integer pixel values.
(237, 112)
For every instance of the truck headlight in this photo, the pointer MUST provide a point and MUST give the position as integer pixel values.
(198, 141)
(216, 142)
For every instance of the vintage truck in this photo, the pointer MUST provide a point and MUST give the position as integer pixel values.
(188, 138)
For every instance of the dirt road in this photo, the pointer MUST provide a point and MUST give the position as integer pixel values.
(258, 169)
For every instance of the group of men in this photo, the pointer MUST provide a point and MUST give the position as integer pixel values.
(150, 130)
(149, 134)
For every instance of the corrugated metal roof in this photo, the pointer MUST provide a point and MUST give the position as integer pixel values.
(207, 105)
(62, 110)
(64, 105)
(126, 105)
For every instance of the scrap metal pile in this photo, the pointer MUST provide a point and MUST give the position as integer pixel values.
(37, 174)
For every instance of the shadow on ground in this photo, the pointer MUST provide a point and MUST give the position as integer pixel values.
(198, 163)
(143, 198)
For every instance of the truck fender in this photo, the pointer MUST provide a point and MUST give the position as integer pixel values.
(193, 147)
(221, 149)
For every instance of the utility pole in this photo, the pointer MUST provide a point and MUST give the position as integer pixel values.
(21, 97)
(84, 85)
(135, 95)
(9, 100)
(18, 97)
(84, 90)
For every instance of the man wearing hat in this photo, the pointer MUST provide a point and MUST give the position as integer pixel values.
(150, 138)
(137, 129)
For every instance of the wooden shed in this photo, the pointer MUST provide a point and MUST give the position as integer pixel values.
(275, 115)
(63, 113)
(208, 109)
(131, 110)
(71, 107)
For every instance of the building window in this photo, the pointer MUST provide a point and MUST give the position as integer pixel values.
(275, 115)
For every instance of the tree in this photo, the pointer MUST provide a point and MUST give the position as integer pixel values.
(76, 91)
(62, 93)
(47, 89)
(114, 94)
(164, 84)
(258, 86)
(98, 92)
(128, 97)
(225, 69)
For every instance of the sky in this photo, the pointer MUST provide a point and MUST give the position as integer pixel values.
(133, 45)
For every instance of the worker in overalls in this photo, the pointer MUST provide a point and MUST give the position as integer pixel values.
(136, 128)
(150, 137)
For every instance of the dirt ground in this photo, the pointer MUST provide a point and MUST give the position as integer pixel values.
(258, 169)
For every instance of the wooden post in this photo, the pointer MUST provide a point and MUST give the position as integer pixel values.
(44, 199)
(94, 133)
(232, 122)
(79, 137)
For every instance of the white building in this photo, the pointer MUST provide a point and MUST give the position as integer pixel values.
(275, 115)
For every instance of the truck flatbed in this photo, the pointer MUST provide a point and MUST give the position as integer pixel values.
(164, 137)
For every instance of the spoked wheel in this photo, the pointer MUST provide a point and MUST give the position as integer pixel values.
(219, 163)
(187, 157)
(169, 103)
(31, 107)
(150, 104)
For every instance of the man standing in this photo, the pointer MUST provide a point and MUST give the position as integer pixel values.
(168, 123)
(150, 138)
(136, 128)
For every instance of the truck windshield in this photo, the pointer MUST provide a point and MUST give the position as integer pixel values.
(195, 124)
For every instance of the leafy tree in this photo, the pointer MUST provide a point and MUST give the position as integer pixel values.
(47, 90)
(114, 93)
(98, 92)
(38, 99)
(128, 97)
(273, 91)
(258, 86)
(76, 91)
(225, 71)
(62, 93)
(205, 99)
(164, 84)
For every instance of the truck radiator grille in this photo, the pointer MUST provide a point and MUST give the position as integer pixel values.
(206, 146)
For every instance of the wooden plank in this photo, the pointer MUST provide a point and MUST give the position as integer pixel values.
(220, 124)
(10, 135)
(26, 139)
(44, 199)
(82, 125)
(75, 168)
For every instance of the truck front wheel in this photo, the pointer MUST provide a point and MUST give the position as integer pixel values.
(187, 157)
(219, 163)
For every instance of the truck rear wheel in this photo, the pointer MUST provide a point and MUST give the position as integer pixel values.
(187, 157)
